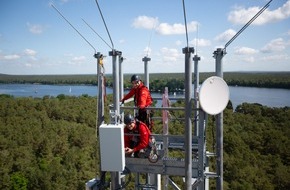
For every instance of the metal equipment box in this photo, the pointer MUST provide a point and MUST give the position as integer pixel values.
(112, 147)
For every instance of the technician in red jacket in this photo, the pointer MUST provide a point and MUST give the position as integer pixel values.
(142, 98)
(137, 136)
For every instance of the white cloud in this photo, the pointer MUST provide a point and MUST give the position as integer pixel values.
(178, 42)
(242, 16)
(60, 2)
(278, 57)
(170, 54)
(147, 51)
(145, 22)
(167, 29)
(10, 57)
(122, 41)
(225, 36)
(29, 52)
(275, 45)
(163, 28)
(200, 42)
(35, 28)
(28, 65)
(248, 59)
(245, 51)
(78, 60)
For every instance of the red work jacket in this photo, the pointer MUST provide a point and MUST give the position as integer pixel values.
(142, 96)
(142, 140)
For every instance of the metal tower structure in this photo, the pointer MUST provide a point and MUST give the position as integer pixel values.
(194, 165)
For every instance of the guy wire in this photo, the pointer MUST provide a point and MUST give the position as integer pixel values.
(74, 27)
(150, 37)
(97, 34)
(246, 25)
(184, 14)
(105, 23)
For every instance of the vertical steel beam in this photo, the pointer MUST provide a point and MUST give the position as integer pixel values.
(121, 83)
(152, 179)
(218, 55)
(101, 87)
(201, 149)
(121, 77)
(196, 85)
(165, 121)
(100, 103)
(115, 176)
(188, 125)
(196, 102)
(116, 89)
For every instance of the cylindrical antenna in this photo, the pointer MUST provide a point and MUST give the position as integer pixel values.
(196, 41)
(185, 23)
(105, 23)
(246, 25)
(97, 34)
(150, 38)
(74, 27)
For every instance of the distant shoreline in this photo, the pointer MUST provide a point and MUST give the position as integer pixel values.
(158, 80)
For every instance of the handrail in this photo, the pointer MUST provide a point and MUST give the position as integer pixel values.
(158, 108)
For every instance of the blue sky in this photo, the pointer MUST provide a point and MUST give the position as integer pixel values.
(35, 39)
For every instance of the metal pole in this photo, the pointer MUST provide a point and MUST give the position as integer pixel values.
(165, 122)
(100, 103)
(196, 85)
(121, 77)
(152, 179)
(121, 83)
(115, 176)
(218, 55)
(201, 149)
(188, 125)
(101, 86)
(196, 103)
(116, 89)
(146, 59)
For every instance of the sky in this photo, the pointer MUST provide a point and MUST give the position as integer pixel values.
(36, 40)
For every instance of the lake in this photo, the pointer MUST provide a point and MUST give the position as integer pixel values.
(238, 95)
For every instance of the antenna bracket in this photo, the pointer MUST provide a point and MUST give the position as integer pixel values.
(188, 50)
(114, 53)
(146, 59)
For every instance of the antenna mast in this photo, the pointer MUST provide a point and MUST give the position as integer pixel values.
(196, 41)
(115, 113)
(188, 108)
(218, 55)
(150, 39)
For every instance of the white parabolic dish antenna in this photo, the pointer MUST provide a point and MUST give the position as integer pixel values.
(214, 95)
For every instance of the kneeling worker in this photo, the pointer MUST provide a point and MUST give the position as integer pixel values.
(140, 138)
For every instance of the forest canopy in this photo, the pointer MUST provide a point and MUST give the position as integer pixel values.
(50, 143)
